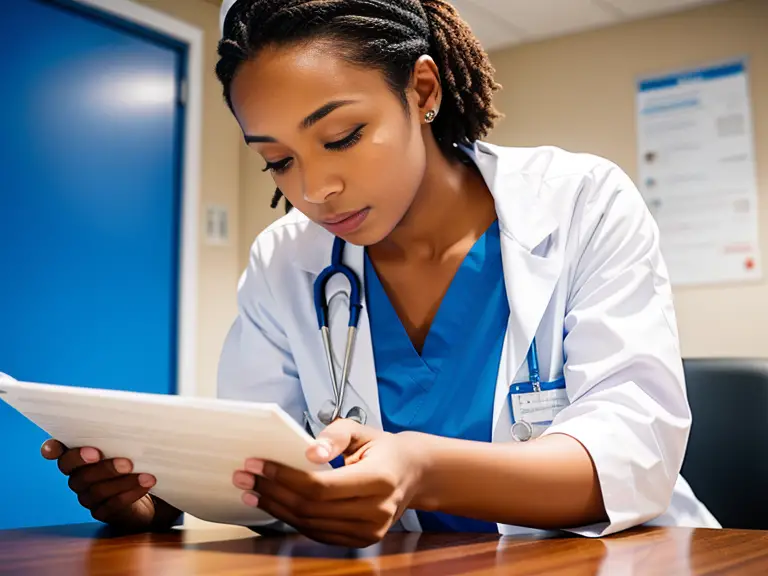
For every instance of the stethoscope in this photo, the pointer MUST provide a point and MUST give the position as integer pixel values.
(521, 431)
(331, 410)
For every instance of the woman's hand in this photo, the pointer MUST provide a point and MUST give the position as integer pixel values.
(109, 489)
(352, 506)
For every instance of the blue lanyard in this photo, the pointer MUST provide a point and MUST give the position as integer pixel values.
(533, 367)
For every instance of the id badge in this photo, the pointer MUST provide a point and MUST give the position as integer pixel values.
(533, 409)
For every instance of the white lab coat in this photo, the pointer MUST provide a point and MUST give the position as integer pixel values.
(583, 273)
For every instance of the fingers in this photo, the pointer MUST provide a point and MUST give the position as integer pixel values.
(107, 488)
(71, 460)
(243, 480)
(118, 504)
(343, 436)
(329, 531)
(84, 476)
(52, 449)
(119, 490)
(363, 511)
(357, 481)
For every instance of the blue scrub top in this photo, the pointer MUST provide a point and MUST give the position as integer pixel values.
(447, 390)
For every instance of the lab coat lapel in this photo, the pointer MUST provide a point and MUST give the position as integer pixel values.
(530, 282)
(531, 268)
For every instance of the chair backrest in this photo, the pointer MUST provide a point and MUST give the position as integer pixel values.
(727, 459)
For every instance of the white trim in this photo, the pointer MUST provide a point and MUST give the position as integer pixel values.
(186, 373)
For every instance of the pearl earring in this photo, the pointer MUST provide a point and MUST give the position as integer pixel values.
(430, 116)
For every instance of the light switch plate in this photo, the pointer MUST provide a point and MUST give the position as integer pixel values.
(216, 225)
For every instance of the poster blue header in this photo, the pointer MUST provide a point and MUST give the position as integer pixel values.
(700, 74)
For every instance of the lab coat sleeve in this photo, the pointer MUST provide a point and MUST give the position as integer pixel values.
(623, 369)
(256, 363)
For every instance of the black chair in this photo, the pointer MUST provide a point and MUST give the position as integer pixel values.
(727, 459)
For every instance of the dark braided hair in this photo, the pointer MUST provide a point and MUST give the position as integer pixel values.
(389, 35)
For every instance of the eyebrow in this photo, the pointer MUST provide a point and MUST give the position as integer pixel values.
(323, 111)
(255, 139)
(308, 122)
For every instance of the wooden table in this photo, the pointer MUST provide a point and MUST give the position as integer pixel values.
(90, 549)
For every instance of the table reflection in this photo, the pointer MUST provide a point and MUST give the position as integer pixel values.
(634, 553)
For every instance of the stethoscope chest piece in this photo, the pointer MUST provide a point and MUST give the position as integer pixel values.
(358, 415)
(522, 431)
(326, 414)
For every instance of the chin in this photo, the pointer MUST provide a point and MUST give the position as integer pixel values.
(362, 238)
(368, 234)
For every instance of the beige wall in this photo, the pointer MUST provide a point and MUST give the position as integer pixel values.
(578, 92)
(220, 176)
(256, 195)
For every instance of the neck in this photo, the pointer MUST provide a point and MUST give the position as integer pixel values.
(452, 206)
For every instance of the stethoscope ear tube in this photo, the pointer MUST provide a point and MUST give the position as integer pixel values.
(355, 289)
(321, 305)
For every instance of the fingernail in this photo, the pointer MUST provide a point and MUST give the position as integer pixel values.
(243, 480)
(323, 449)
(250, 499)
(89, 455)
(123, 466)
(146, 480)
(47, 448)
(254, 466)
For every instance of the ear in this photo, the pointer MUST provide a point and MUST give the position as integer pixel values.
(426, 86)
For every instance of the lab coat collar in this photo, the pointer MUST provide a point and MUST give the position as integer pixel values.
(523, 217)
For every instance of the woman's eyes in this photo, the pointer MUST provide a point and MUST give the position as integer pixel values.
(348, 141)
(345, 143)
(278, 167)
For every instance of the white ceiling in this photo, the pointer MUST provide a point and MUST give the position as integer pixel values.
(501, 23)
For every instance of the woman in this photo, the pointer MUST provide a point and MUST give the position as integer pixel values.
(501, 286)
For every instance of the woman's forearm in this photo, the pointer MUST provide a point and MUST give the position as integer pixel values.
(549, 483)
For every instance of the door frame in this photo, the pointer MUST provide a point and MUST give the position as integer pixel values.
(188, 261)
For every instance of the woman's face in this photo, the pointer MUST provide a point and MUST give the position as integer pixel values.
(336, 138)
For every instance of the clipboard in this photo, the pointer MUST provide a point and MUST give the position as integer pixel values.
(191, 445)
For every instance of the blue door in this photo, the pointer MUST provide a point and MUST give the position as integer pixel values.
(90, 194)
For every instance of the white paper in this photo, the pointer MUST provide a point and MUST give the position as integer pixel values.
(191, 445)
(698, 172)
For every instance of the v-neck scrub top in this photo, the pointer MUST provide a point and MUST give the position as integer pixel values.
(447, 390)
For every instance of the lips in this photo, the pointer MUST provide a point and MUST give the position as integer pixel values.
(346, 222)
(340, 218)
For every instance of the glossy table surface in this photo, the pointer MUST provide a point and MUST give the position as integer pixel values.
(91, 549)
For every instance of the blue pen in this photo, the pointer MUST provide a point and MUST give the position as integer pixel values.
(337, 462)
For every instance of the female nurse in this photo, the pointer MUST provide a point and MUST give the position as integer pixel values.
(516, 365)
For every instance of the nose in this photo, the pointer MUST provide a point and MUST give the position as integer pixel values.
(320, 184)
